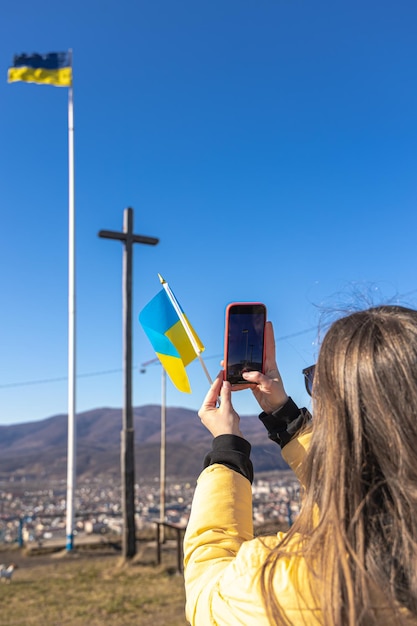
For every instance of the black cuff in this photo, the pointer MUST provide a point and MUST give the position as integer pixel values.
(284, 423)
(233, 452)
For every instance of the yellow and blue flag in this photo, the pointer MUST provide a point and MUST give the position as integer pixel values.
(166, 331)
(45, 69)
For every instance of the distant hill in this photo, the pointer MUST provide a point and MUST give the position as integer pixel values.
(39, 449)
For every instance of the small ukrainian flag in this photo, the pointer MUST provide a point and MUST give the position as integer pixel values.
(45, 69)
(165, 330)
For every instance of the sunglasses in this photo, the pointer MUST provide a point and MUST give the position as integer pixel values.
(309, 377)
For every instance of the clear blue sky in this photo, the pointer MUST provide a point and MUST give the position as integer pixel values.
(271, 145)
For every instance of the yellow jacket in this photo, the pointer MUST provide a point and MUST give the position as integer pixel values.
(222, 560)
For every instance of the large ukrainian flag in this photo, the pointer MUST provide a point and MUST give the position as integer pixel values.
(45, 69)
(169, 339)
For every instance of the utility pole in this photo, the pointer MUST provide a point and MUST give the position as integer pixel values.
(162, 455)
(127, 435)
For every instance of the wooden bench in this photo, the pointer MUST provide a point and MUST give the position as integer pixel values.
(160, 539)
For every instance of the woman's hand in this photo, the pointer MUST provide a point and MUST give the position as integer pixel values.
(269, 390)
(223, 419)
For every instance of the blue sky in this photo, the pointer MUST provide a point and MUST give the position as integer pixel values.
(271, 145)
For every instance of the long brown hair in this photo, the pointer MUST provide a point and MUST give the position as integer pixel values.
(357, 528)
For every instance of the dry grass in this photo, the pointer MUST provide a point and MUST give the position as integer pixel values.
(93, 589)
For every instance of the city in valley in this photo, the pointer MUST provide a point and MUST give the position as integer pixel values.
(32, 513)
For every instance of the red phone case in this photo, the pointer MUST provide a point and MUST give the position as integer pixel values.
(229, 313)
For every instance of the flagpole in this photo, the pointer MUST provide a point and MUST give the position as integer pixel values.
(71, 466)
(185, 326)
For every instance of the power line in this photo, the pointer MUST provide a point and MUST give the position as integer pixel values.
(155, 361)
(58, 379)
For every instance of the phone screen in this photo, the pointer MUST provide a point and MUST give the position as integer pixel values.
(244, 340)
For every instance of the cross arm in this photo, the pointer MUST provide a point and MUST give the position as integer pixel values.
(122, 236)
(151, 241)
(112, 234)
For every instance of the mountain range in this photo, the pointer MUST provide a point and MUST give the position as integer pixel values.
(38, 450)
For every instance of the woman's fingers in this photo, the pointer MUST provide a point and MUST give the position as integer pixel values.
(210, 401)
(225, 394)
(262, 382)
(223, 419)
(270, 362)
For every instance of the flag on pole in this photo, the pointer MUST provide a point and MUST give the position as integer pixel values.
(175, 342)
(45, 69)
(55, 68)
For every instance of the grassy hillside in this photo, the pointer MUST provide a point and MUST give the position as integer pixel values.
(93, 589)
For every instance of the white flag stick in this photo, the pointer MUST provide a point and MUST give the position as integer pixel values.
(186, 326)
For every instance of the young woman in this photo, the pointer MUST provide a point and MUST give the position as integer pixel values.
(350, 558)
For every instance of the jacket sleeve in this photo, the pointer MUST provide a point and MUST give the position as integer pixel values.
(220, 522)
(220, 563)
(295, 452)
(232, 451)
(282, 425)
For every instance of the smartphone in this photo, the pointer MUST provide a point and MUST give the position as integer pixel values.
(244, 340)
